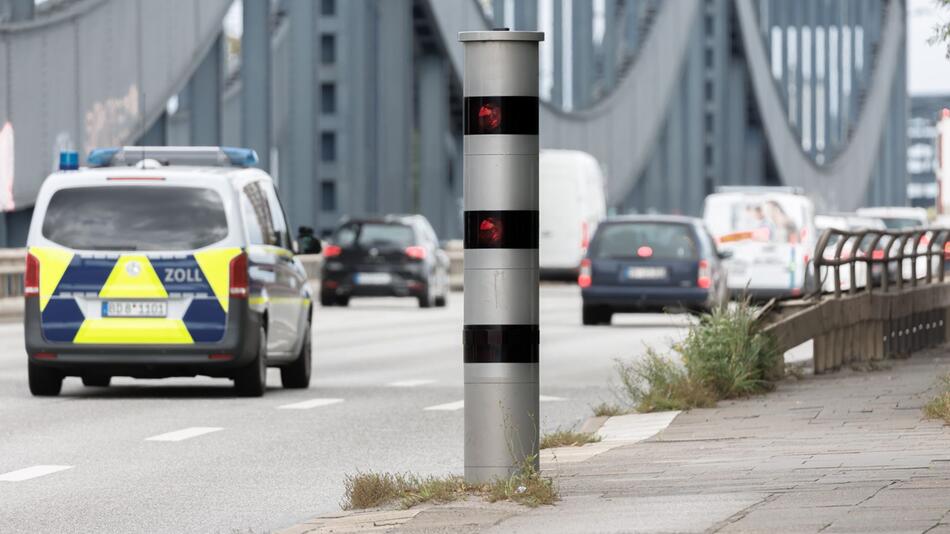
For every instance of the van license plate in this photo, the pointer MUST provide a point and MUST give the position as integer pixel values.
(646, 273)
(128, 308)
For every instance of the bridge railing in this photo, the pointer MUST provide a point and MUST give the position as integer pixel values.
(882, 294)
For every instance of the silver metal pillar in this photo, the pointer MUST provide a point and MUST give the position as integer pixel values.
(434, 194)
(394, 106)
(610, 44)
(557, 88)
(501, 253)
(205, 90)
(256, 80)
(582, 31)
(299, 181)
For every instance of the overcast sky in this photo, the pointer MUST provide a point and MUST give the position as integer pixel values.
(928, 66)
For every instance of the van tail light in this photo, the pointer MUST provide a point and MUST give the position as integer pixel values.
(946, 250)
(585, 235)
(807, 258)
(238, 287)
(704, 277)
(31, 278)
(332, 251)
(878, 254)
(416, 252)
(584, 276)
(925, 240)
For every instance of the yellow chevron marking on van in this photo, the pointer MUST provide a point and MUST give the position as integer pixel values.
(133, 331)
(133, 282)
(216, 266)
(53, 264)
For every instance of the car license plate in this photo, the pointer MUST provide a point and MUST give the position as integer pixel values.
(373, 279)
(646, 273)
(129, 308)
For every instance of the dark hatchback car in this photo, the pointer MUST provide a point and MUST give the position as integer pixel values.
(650, 264)
(390, 256)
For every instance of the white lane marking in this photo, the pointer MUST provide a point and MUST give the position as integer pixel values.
(312, 403)
(458, 405)
(447, 407)
(635, 427)
(185, 433)
(409, 383)
(32, 472)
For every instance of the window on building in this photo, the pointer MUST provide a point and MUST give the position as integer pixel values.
(328, 98)
(327, 49)
(328, 8)
(328, 195)
(328, 146)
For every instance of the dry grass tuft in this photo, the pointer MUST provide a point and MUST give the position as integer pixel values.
(568, 438)
(939, 407)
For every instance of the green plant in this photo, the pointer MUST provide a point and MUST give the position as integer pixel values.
(526, 487)
(723, 356)
(568, 438)
(939, 406)
(609, 410)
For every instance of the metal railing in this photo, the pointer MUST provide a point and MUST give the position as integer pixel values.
(12, 265)
(883, 248)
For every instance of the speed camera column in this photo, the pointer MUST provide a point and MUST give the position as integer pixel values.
(501, 252)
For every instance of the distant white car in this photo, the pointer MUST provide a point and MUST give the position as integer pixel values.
(845, 222)
(897, 218)
(572, 203)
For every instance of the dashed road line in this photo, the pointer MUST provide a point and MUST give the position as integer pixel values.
(32, 472)
(185, 433)
(308, 404)
(447, 407)
(458, 405)
(409, 383)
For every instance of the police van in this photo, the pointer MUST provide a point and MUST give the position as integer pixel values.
(156, 262)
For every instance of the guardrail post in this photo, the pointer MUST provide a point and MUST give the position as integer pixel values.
(820, 354)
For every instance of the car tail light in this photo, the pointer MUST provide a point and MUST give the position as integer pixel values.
(925, 240)
(332, 251)
(416, 252)
(878, 254)
(239, 284)
(807, 258)
(31, 278)
(704, 277)
(584, 276)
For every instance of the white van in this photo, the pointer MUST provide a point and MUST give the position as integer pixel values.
(769, 235)
(572, 203)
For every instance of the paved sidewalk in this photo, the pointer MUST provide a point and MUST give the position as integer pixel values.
(838, 453)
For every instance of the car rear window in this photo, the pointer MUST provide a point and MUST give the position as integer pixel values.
(379, 235)
(662, 241)
(900, 223)
(135, 218)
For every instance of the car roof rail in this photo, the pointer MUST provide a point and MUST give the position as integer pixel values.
(204, 156)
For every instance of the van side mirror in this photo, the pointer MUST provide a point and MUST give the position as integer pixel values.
(307, 242)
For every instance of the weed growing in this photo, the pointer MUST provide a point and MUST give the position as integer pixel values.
(939, 407)
(568, 438)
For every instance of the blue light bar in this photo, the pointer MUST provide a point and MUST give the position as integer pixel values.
(101, 157)
(240, 157)
(68, 160)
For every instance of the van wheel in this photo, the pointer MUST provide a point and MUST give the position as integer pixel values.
(96, 381)
(251, 381)
(44, 382)
(297, 374)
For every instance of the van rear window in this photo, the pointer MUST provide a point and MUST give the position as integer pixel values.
(667, 241)
(135, 218)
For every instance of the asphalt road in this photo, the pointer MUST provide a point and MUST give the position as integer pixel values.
(185, 455)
